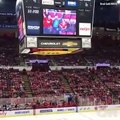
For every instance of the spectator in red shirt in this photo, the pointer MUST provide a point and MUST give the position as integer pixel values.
(63, 27)
(47, 24)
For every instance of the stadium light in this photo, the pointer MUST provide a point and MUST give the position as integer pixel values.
(118, 2)
(0, 1)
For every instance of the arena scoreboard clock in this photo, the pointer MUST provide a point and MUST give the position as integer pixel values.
(51, 19)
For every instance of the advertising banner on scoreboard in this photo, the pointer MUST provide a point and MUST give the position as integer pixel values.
(33, 27)
(84, 29)
(32, 42)
(86, 42)
(59, 43)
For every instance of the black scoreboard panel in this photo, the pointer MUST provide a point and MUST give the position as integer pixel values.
(70, 18)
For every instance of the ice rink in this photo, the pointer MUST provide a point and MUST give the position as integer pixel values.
(101, 115)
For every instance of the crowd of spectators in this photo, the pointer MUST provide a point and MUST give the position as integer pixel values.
(11, 84)
(89, 83)
(91, 86)
(43, 83)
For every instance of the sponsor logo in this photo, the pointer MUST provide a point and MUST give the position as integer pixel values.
(58, 44)
(71, 3)
(48, 2)
(85, 108)
(22, 112)
(85, 29)
(70, 44)
(44, 111)
(30, 27)
(101, 107)
(50, 43)
(58, 3)
(72, 109)
(33, 27)
(60, 110)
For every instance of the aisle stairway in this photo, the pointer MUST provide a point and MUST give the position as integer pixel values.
(66, 85)
(27, 86)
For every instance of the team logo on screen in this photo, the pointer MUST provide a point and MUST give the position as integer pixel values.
(33, 27)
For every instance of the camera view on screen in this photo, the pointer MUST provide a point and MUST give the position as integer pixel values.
(59, 22)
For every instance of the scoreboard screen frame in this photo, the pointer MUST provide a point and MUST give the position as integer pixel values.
(33, 11)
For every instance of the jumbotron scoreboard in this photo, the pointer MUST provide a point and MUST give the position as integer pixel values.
(62, 26)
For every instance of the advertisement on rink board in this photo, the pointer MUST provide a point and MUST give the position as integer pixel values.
(22, 112)
(46, 110)
(15, 113)
(58, 110)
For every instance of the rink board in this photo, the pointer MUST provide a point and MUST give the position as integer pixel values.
(47, 111)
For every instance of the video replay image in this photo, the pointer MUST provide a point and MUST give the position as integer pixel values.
(59, 22)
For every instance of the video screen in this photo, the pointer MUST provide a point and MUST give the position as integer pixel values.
(59, 22)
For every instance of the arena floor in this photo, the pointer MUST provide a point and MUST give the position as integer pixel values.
(101, 115)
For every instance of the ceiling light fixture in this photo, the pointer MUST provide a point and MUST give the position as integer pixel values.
(118, 2)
